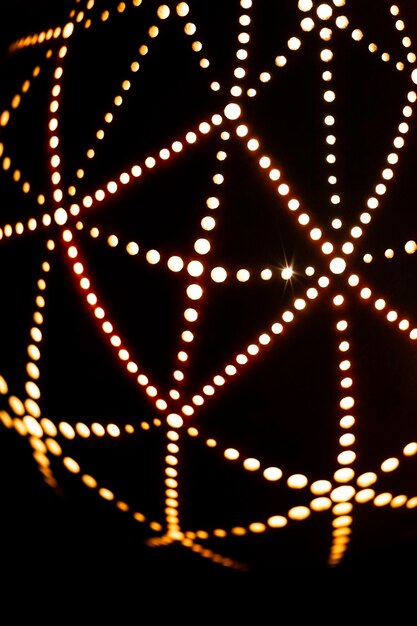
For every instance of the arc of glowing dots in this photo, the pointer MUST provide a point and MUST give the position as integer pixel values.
(339, 495)
(338, 264)
(230, 116)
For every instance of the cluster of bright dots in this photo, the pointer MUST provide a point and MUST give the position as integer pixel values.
(66, 208)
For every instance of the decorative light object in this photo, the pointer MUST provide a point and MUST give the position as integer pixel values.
(195, 327)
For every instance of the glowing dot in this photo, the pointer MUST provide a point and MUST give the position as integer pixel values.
(175, 263)
(337, 265)
(299, 512)
(153, 257)
(202, 246)
(68, 30)
(320, 487)
(294, 43)
(251, 464)
(287, 273)
(195, 268)
(219, 274)
(266, 274)
(194, 292)
(242, 275)
(132, 248)
(297, 481)
(232, 111)
(191, 315)
(389, 465)
(347, 457)
(324, 11)
(272, 473)
(174, 420)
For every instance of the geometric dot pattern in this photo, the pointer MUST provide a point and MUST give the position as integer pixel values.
(208, 234)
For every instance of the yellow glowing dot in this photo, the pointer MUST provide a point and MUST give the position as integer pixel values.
(382, 499)
(194, 292)
(202, 246)
(365, 495)
(398, 501)
(315, 234)
(60, 216)
(33, 427)
(232, 111)
(208, 223)
(274, 174)
(175, 263)
(132, 248)
(299, 304)
(297, 481)
(346, 458)
(253, 145)
(4, 118)
(218, 274)
(112, 186)
(287, 273)
(320, 487)
(190, 315)
(251, 464)
(410, 449)
(303, 219)
(195, 268)
(150, 162)
(294, 43)
(174, 420)
(242, 275)
(344, 475)
(299, 513)
(231, 454)
(266, 274)
(410, 247)
(153, 257)
(389, 465)
(307, 24)
(288, 316)
(342, 494)
(272, 473)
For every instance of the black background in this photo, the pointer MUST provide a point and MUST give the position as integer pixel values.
(70, 552)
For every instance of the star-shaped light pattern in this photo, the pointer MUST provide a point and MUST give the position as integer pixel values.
(64, 208)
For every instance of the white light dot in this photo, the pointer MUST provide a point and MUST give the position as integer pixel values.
(337, 265)
(60, 216)
(232, 111)
(286, 273)
(219, 274)
(202, 246)
(324, 11)
(195, 268)
(153, 257)
(194, 292)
